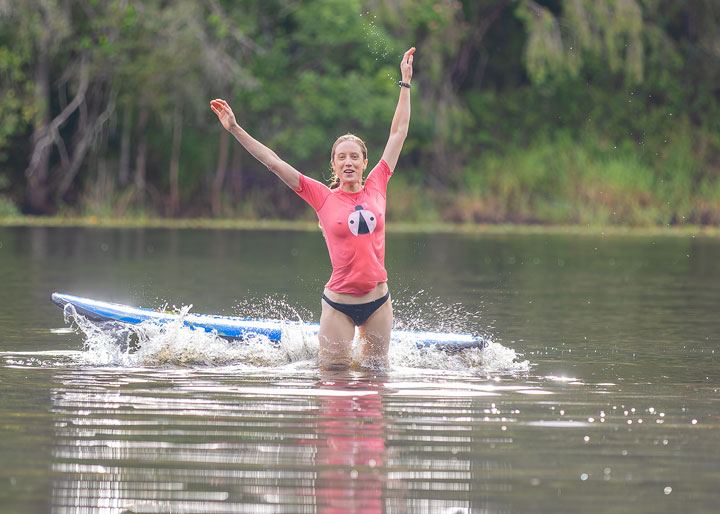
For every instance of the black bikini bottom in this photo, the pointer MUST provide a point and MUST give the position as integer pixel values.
(358, 312)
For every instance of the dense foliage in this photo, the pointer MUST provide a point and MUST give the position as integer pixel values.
(562, 111)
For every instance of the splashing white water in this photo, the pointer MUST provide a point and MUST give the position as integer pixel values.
(175, 344)
(421, 311)
(494, 358)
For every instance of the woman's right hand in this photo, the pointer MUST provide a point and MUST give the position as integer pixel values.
(224, 113)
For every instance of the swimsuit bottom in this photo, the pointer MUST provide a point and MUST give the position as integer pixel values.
(358, 312)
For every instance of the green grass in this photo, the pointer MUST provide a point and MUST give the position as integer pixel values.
(392, 227)
(588, 180)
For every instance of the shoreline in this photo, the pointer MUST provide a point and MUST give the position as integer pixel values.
(396, 227)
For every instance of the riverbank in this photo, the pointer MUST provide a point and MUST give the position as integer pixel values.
(397, 227)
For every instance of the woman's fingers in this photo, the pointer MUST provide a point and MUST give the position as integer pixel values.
(220, 107)
(216, 109)
(408, 55)
(220, 104)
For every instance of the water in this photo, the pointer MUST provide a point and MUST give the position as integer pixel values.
(610, 404)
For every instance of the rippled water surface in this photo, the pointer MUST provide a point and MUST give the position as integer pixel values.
(597, 393)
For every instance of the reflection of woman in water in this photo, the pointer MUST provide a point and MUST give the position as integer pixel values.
(350, 458)
(352, 217)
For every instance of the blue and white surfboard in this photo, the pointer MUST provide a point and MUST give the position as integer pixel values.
(236, 328)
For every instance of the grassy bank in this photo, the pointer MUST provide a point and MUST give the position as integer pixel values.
(397, 227)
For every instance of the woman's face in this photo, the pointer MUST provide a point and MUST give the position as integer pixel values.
(349, 164)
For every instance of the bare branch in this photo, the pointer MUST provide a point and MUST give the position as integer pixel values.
(50, 134)
(83, 146)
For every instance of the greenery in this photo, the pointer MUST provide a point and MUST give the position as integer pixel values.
(588, 112)
(132, 222)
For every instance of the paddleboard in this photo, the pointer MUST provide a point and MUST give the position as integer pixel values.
(237, 328)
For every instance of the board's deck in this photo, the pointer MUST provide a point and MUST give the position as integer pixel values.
(243, 328)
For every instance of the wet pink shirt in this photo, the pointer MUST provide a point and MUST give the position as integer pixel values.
(354, 228)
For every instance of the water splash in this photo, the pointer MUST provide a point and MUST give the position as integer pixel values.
(271, 307)
(377, 41)
(175, 344)
(493, 359)
(421, 311)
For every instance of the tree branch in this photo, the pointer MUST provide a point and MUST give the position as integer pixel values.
(50, 134)
(83, 146)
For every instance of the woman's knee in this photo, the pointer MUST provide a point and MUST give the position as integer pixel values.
(335, 367)
(334, 354)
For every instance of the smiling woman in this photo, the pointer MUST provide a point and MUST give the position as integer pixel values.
(352, 218)
(345, 150)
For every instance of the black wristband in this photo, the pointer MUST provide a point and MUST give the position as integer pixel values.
(403, 84)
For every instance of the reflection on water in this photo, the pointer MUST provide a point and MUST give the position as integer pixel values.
(218, 440)
(349, 448)
(190, 442)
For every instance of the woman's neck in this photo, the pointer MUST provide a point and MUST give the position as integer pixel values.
(351, 188)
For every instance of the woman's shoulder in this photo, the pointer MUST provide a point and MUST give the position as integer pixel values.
(379, 175)
(313, 191)
(307, 181)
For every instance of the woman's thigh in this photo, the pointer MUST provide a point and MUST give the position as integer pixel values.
(375, 334)
(335, 338)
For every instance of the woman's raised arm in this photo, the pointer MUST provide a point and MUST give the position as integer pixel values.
(401, 119)
(262, 153)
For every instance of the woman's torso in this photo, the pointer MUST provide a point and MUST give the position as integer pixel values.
(354, 228)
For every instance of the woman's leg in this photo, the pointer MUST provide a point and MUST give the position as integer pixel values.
(335, 338)
(375, 335)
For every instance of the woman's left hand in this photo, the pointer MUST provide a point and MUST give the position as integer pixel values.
(406, 68)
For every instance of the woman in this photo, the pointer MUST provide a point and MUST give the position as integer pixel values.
(352, 217)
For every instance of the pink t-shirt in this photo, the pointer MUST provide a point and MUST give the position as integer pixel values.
(354, 228)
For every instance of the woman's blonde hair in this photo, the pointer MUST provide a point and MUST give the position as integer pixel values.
(334, 179)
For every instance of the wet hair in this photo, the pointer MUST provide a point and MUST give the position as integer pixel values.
(334, 179)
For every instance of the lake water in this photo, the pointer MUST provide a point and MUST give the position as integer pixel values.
(598, 392)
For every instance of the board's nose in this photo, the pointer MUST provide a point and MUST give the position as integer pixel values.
(58, 299)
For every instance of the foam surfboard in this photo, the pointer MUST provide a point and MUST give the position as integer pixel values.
(238, 328)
